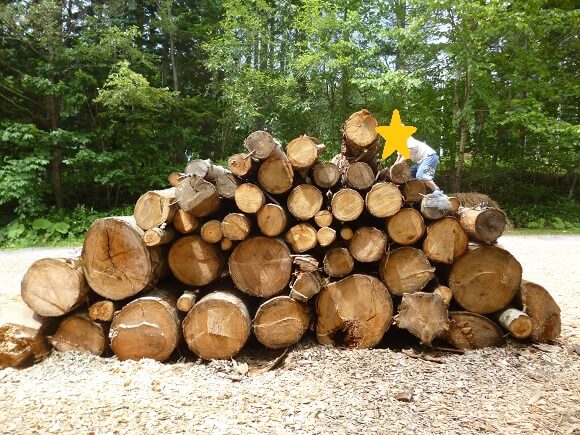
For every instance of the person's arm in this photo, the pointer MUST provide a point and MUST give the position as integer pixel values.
(400, 158)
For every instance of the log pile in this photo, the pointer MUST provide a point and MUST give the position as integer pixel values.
(280, 242)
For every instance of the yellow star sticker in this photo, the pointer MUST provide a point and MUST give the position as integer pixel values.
(396, 136)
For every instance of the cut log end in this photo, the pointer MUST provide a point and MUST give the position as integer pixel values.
(338, 262)
(516, 322)
(302, 237)
(155, 208)
(302, 152)
(102, 311)
(473, 331)
(325, 175)
(194, 261)
(249, 198)
(79, 334)
(347, 205)
(236, 226)
(541, 307)
(424, 315)
(446, 241)
(360, 128)
(368, 244)
(406, 270)
(280, 322)
(304, 202)
(384, 200)
(483, 224)
(406, 227)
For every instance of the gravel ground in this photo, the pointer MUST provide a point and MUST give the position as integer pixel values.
(515, 389)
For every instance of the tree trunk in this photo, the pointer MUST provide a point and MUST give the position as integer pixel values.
(301, 237)
(384, 200)
(304, 202)
(276, 175)
(280, 322)
(54, 286)
(116, 262)
(184, 222)
(413, 190)
(79, 333)
(354, 312)
(158, 236)
(338, 262)
(537, 303)
(306, 286)
(325, 175)
(485, 279)
(406, 270)
(485, 224)
(472, 331)
(445, 241)
(424, 315)
(102, 311)
(368, 244)
(272, 220)
(518, 323)
(325, 236)
(155, 207)
(194, 261)
(347, 205)
(236, 226)
(464, 131)
(211, 231)
(197, 196)
(406, 227)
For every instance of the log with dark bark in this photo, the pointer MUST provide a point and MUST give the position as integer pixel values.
(197, 196)
(280, 322)
(194, 261)
(406, 270)
(516, 322)
(338, 262)
(484, 224)
(384, 200)
(302, 237)
(304, 201)
(368, 244)
(184, 222)
(276, 175)
(155, 208)
(325, 175)
(79, 333)
(424, 315)
(347, 205)
(102, 311)
(473, 331)
(445, 241)
(406, 227)
(306, 286)
(537, 303)
(236, 226)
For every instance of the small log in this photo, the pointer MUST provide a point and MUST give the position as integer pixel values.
(197, 196)
(484, 224)
(347, 205)
(276, 175)
(175, 178)
(359, 129)
(226, 244)
(79, 333)
(338, 262)
(455, 204)
(354, 312)
(302, 237)
(194, 261)
(218, 326)
(211, 231)
(102, 311)
(413, 190)
(323, 218)
(305, 263)
(280, 322)
(54, 286)
(368, 244)
(406, 270)
(224, 181)
(325, 236)
(263, 146)
(359, 176)
(346, 233)
(383, 200)
(155, 208)
(22, 345)
(472, 331)
(158, 236)
(325, 175)
(424, 315)
(241, 164)
(445, 241)
(444, 293)
(485, 279)
(116, 262)
(431, 208)
(516, 322)
(236, 226)
(537, 303)
(261, 266)
(147, 327)
(249, 198)
(406, 227)
(272, 220)
(304, 201)
(184, 222)
(306, 286)
(187, 300)
(302, 152)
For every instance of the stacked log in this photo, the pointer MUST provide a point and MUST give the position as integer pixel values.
(277, 242)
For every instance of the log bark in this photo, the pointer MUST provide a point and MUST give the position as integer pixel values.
(445, 241)
(406, 270)
(306, 286)
(347, 205)
(211, 231)
(116, 262)
(325, 236)
(158, 236)
(424, 315)
(54, 286)
(79, 333)
(305, 263)
(197, 196)
(226, 185)
(224, 181)
(413, 190)
(276, 175)
(325, 175)
(338, 262)
(22, 345)
(483, 224)
(485, 279)
(187, 300)
(249, 198)
(280, 322)
(516, 322)
(241, 164)
(473, 331)
(354, 312)
(304, 202)
(302, 237)
(537, 303)
(383, 200)
(236, 226)
(302, 152)
(263, 146)
(272, 220)
(102, 311)
(147, 327)
(184, 222)
(368, 244)
(431, 211)
(406, 227)
(359, 176)
(194, 261)
(323, 218)
(261, 266)
(155, 208)
(218, 326)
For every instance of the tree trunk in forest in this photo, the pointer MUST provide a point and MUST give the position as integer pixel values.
(280, 322)
(473, 331)
(194, 261)
(445, 241)
(463, 132)
(406, 227)
(424, 315)
(406, 270)
(79, 333)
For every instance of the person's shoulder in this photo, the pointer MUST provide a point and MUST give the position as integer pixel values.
(412, 142)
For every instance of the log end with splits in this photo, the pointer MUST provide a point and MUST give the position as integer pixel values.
(280, 322)
(155, 207)
(473, 331)
(424, 315)
(485, 224)
(360, 129)
(193, 261)
(406, 270)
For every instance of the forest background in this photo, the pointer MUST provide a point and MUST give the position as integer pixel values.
(101, 100)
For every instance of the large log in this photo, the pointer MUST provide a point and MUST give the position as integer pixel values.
(424, 315)
(276, 175)
(359, 176)
(78, 333)
(516, 322)
(306, 286)
(338, 262)
(184, 222)
(262, 146)
(354, 312)
(406, 270)
(473, 331)
(147, 327)
(383, 200)
(413, 190)
(197, 196)
(303, 152)
(236, 226)
(325, 175)
(116, 262)
(304, 201)
(484, 224)
(485, 279)
(155, 208)
(194, 261)
(302, 237)
(368, 244)
(272, 220)
(537, 303)
(54, 286)
(406, 227)
(261, 266)
(347, 205)
(280, 322)
(445, 241)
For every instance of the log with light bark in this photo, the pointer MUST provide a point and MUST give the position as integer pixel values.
(241, 164)
(537, 303)
(338, 262)
(413, 190)
(325, 175)
(383, 200)
(398, 173)
(473, 331)
(197, 196)
(54, 286)
(323, 218)
(261, 266)
(116, 262)
(159, 236)
(211, 231)
(147, 327)
(102, 311)
(184, 222)
(306, 286)
(424, 315)
(444, 293)
(346, 232)
(272, 220)
(516, 322)
(187, 300)
(431, 208)
(347, 205)
(302, 237)
(325, 236)
(303, 152)
(155, 208)
(485, 279)
(359, 176)
(280, 322)
(79, 333)
(276, 175)
(249, 198)
(22, 345)
(263, 146)
(368, 244)
(193, 261)
(354, 312)
(406, 227)
(484, 224)
(224, 181)
(406, 270)
(236, 226)
(445, 241)
(304, 201)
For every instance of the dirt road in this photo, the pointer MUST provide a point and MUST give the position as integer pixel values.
(516, 389)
